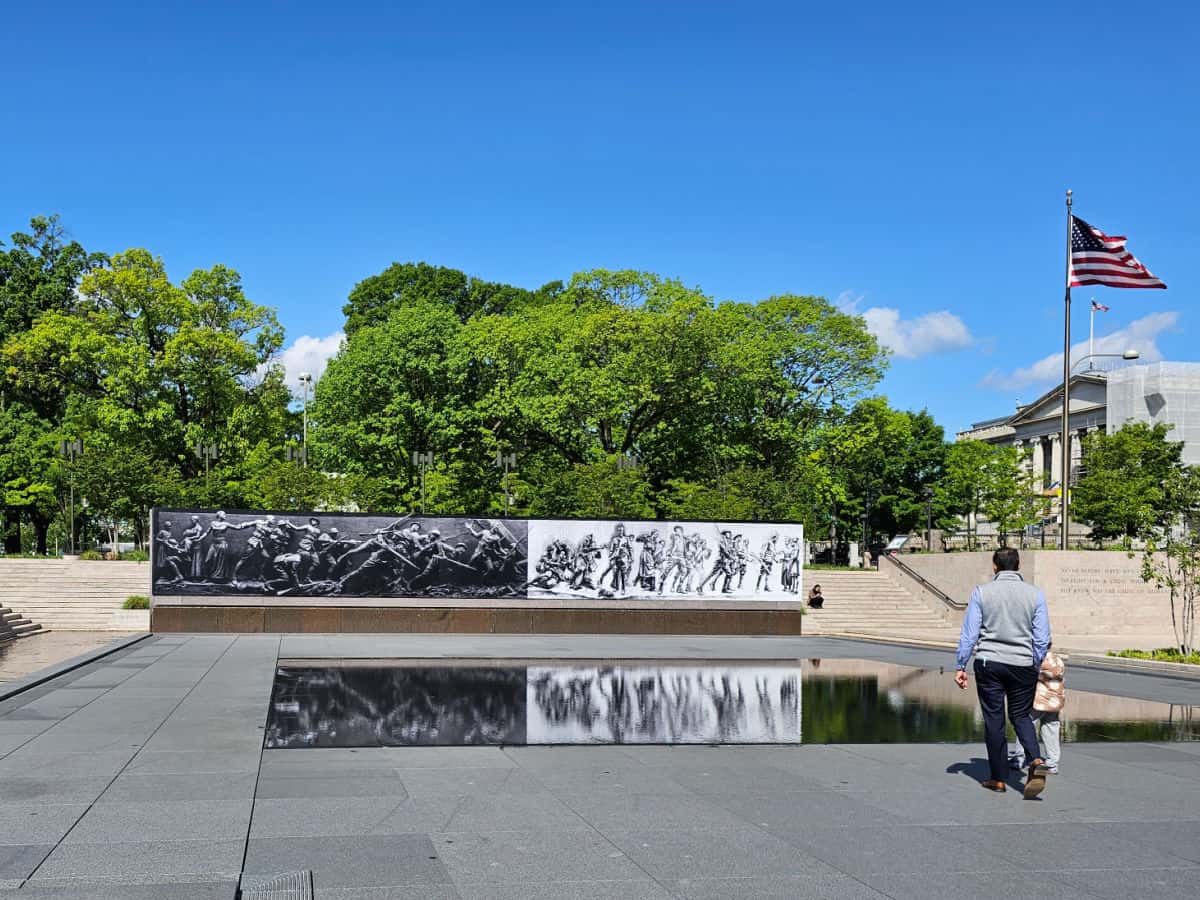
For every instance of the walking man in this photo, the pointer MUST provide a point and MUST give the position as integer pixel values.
(1007, 627)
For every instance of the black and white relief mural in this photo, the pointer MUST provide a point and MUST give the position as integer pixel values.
(318, 555)
(213, 552)
(647, 559)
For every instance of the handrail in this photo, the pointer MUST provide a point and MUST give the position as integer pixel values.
(928, 585)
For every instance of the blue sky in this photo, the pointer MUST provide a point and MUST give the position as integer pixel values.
(909, 161)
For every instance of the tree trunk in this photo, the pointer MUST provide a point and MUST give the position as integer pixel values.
(12, 531)
(41, 526)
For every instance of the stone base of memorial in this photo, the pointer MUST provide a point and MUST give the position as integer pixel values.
(237, 571)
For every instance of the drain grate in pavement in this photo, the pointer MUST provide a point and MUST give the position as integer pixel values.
(289, 886)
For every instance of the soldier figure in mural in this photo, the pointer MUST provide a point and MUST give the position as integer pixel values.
(725, 566)
(328, 543)
(766, 562)
(493, 549)
(741, 549)
(620, 560)
(651, 559)
(193, 548)
(554, 566)
(437, 556)
(383, 566)
(257, 555)
(676, 559)
(307, 548)
(584, 563)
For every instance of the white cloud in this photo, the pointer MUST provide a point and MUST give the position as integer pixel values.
(1140, 335)
(935, 332)
(308, 354)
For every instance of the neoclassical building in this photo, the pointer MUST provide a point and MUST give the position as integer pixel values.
(1037, 426)
(1152, 393)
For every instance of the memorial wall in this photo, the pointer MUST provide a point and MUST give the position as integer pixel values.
(212, 553)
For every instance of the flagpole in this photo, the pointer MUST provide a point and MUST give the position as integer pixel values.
(1092, 332)
(1065, 437)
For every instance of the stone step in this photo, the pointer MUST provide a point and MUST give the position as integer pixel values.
(27, 629)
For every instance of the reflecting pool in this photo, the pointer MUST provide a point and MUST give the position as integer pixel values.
(386, 703)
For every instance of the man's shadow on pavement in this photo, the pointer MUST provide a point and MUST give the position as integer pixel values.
(979, 770)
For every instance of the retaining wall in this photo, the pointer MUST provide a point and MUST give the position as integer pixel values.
(1094, 592)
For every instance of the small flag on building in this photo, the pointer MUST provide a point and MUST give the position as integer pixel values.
(1097, 258)
(1099, 307)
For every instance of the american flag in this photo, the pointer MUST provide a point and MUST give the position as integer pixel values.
(1098, 307)
(1097, 258)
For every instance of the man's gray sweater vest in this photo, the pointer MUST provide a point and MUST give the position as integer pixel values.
(1006, 630)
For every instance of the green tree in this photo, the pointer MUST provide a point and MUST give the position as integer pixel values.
(1012, 499)
(1123, 491)
(147, 370)
(38, 273)
(1171, 559)
(969, 481)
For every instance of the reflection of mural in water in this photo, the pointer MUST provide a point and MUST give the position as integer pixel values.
(663, 705)
(382, 706)
(396, 707)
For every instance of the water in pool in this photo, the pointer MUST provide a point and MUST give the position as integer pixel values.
(397, 703)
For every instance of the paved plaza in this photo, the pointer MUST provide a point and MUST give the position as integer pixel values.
(142, 775)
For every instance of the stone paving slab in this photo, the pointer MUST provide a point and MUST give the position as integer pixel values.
(142, 861)
(348, 862)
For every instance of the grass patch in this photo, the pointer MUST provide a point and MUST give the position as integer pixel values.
(136, 601)
(1165, 654)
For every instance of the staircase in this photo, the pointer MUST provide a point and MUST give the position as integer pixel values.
(868, 602)
(15, 625)
(70, 595)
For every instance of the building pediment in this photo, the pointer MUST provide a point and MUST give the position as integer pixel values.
(1087, 393)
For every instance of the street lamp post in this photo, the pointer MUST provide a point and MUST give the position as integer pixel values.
(424, 459)
(928, 518)
(305, 379)
(208, 453)
(506, 461)
(1128, 354)
(71, 451)
(833, 509)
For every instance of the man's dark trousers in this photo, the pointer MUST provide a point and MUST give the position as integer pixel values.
(995, 683)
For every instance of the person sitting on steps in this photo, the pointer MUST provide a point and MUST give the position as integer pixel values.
(816, 599)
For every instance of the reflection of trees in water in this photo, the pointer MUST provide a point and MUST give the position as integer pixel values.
(665, 705)
(1181, 724)
(388, 707)
(854, 710)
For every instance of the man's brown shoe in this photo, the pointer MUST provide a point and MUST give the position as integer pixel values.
(998, 786)
(1036, 783)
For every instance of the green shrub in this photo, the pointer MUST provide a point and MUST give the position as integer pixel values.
(91, 555)
(136, 601)
(1165, 654)
(135, 556)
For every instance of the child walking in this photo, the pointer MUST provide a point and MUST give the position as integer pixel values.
(1048, 702)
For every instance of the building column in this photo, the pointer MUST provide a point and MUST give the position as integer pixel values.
(1055, 458)
(1039, 465)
